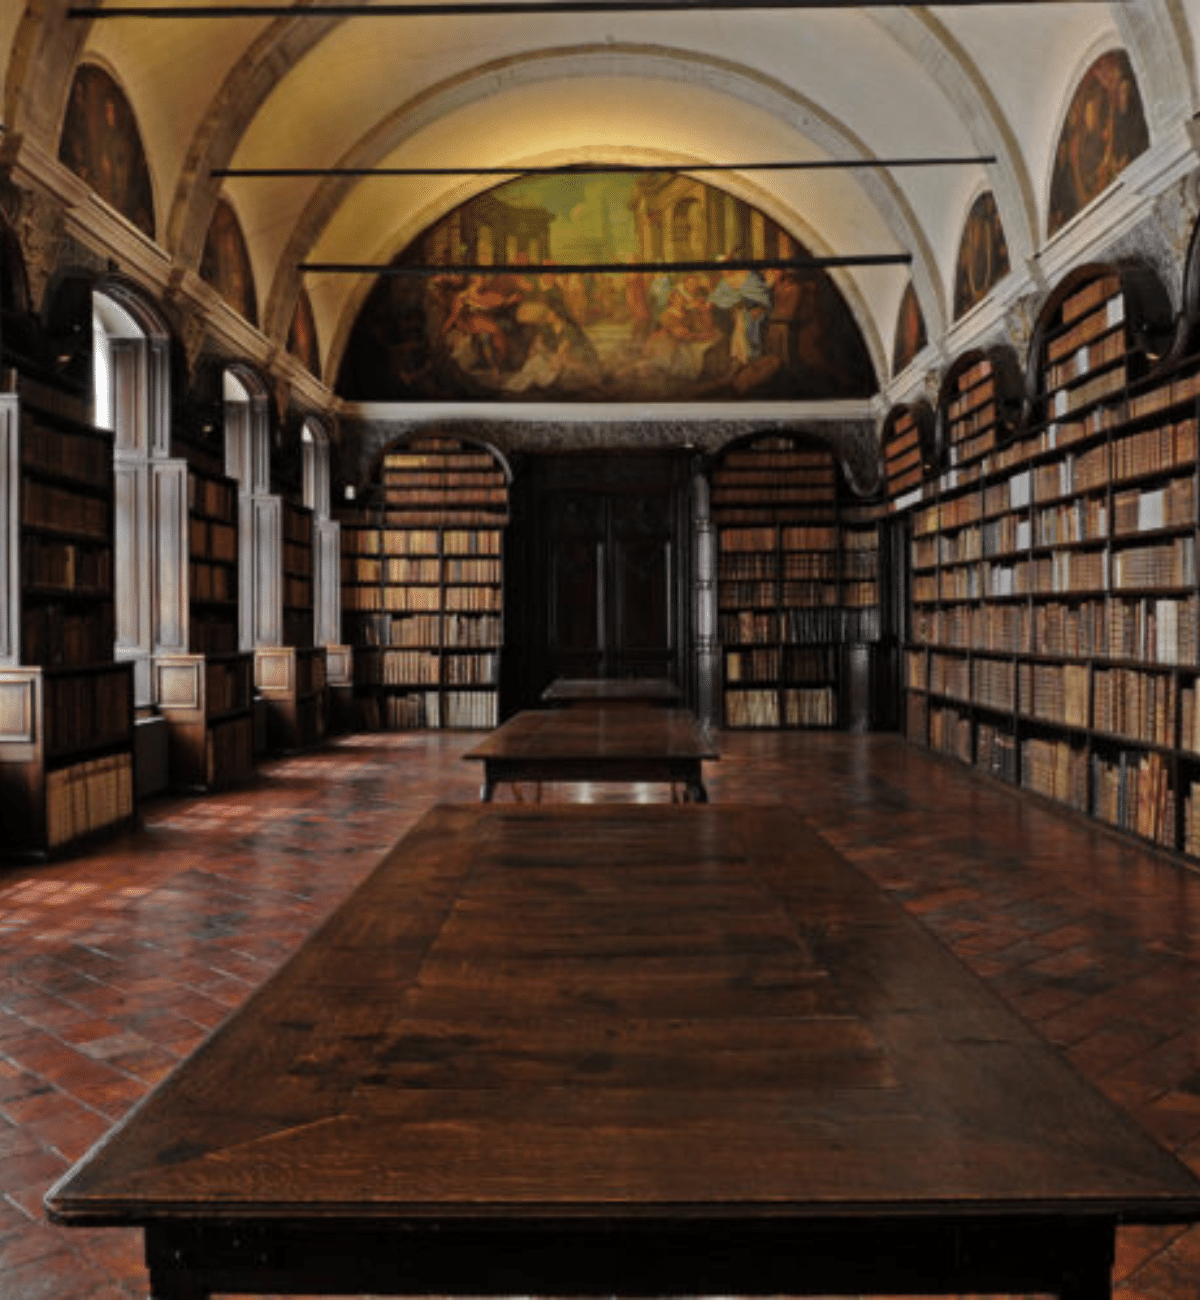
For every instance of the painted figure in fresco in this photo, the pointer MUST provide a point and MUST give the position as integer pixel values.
(982, 255)
(1105, 129)
(528, 330)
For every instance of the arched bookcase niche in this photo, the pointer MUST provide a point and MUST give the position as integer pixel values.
(908, 446)
(1103, 329)
(423, 584)
(978, 409)
(797, 581)
(1186, 342)
(22, 340)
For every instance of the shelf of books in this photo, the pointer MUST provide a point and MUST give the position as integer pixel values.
(1055, 609)
(291, 677)
(797, 578)
(904, 456)
(66, 708)
(205, 693)
(423, 590)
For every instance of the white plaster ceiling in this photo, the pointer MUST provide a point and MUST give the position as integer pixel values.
(699, 86)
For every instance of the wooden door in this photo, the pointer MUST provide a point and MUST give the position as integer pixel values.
(606, 568)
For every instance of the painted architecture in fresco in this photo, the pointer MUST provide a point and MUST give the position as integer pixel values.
(226, 262)
(522, 334)
(101, 144)
(982, 254)
(910, 330)
(302, 336)
(1104, 131)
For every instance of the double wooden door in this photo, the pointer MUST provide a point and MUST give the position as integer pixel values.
(606, 572)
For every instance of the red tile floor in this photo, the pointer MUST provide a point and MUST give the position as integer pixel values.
(116, 963)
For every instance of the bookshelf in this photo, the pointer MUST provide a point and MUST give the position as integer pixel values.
(797, 582)
(292, 677)
(423, 587)
(204, 689)
(66, 708)
(907, 446)
(1055, 609)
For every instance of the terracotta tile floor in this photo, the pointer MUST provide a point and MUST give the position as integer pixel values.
(115, 964)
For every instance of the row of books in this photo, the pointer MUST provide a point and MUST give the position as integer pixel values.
(398, 668)
(817, 464)
(752, 708)
(470, 710)
(473, 599)
(1055, 769)
(995, 683)
(1055, 693)
(1170, 506)
(809, 706)
(55, 634)
(996, 752)
(50, 508)
(437, 460)
(84, 455)
(1105, 313)
(1154, 451)
(431, 477)
(88, 796)
(61, 566)
(212, 582)
(445, 498)
(1134, 704)
(950, 733)
(297, 525)
(215, 498)
(1132, 791)
(1086, 358)
(1065, 401)
(212, 539)
(431, 541)
(786, 663)
(211, 633)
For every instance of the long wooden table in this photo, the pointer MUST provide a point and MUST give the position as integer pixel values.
(571, 745)
(611, 692)
(610, 1050)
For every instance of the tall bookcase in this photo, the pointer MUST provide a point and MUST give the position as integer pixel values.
(291, 676)
(797, 582)
(204, 691)
(423, 587)
(1056, 614)
(66, 708)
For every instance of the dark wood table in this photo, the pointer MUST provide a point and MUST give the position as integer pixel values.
(611, 692)
(610, 1050)
(572, 745)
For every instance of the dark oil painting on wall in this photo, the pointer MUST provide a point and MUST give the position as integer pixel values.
(910, 330)
(302, 335)
(982, 254)
(1104, 131)
(527, 332)
(101, 144)
(225, 263)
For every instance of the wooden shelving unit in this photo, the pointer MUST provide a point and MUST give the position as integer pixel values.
(1056, 613)
(291, 677)
(797, 582)
(423, 588)
(66, 708)
(205, 693)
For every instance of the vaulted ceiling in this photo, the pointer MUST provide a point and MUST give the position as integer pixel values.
(659, 88)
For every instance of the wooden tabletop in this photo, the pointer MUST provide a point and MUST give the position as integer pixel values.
(656, 1021)
(611, 690)
(599, 734)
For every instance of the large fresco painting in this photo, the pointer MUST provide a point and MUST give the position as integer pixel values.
(910, 330)
(982, 254)
(101, 144)
(302, 336)
(1105, 129)
(517, 333)
(225, 263)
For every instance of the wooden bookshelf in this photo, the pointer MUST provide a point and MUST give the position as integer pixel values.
(797, 582)
(205, 691)
(66, 708)
(423, 587)
(1055, 606)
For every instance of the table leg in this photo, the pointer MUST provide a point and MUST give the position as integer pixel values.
(487, 790)
(696, 792)
(1089, 1276)
(177, 1286)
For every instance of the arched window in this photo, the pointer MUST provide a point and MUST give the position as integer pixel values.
(131, 397)
(327, 572)
(247, 459)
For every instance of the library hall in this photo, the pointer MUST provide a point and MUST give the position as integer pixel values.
(600, 649)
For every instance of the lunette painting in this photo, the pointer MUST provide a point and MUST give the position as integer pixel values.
(520, 333)
(225, 263)
(910, 330)
(102, 145)
(982, 254)
(1104, 131)
(302, 335)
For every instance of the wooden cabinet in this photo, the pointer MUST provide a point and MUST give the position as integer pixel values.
(423, 588)
(66, 708)
(1055, 611)
(797, 583)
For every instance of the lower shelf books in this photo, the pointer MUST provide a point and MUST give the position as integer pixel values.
(87, 797)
